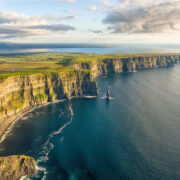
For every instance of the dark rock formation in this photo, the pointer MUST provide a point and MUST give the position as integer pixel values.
(108, 94)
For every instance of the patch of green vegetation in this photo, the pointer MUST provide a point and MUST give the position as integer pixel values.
(16, 101)
(52, 95)
(13, 65)
(41, 96)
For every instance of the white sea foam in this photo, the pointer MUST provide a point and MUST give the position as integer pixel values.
(23, 178)
(44, 177)
(49, 146)
(8, 131)
(103, 97)
(22, 115)
(39, 168)
(110, 98)
(89, 97)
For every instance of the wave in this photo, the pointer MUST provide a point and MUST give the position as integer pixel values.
(49, 146)
(34, 108)
(22, 115)
(13, 124)
(110, 98)
(89, 97)
(38, 168)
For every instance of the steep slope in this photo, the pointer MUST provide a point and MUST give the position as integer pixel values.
(129, 64)
(15, 167)
(20, 93)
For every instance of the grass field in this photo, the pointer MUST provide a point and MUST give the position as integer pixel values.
(11, 65)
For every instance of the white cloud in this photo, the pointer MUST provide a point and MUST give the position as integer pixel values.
(13, 18)
(73, 13)
(13, 24)
(96, 31)
(93, 8)
(135, 16)
(106, 2)
(144, 3)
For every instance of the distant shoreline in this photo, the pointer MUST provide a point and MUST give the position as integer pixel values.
(104, 48)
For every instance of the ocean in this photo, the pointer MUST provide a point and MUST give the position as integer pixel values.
(10, 48)
(134, 136)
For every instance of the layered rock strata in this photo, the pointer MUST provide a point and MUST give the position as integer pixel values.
(20, 93)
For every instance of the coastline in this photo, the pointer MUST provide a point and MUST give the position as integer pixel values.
(31, 92)
(24, 112)
(65, 84)
(19, 115)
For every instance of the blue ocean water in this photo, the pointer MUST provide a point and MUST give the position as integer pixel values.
(134, 136)
(9, 48)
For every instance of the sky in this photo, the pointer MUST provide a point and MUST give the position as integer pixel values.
(90, 21)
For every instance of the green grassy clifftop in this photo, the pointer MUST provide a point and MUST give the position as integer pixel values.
(128, 64)
(13, 65)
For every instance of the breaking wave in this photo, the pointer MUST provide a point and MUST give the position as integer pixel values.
(48, 146)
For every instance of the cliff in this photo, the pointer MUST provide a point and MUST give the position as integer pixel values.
(15, 167)
(129, 64)
(20, 93)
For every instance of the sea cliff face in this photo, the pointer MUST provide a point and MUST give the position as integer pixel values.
(15, 167)
(20, 93)
(129, 64)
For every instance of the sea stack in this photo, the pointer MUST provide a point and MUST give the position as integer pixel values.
(108, 94)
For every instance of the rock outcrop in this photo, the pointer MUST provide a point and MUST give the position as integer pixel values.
(15, 167)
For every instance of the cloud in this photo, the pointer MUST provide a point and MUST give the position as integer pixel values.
(20, 25)
(93, 8)
(105, 2)
(54, 27)
(13, 18)
(96, 31)
(135, 16)
(4, 31)
(73, 13)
